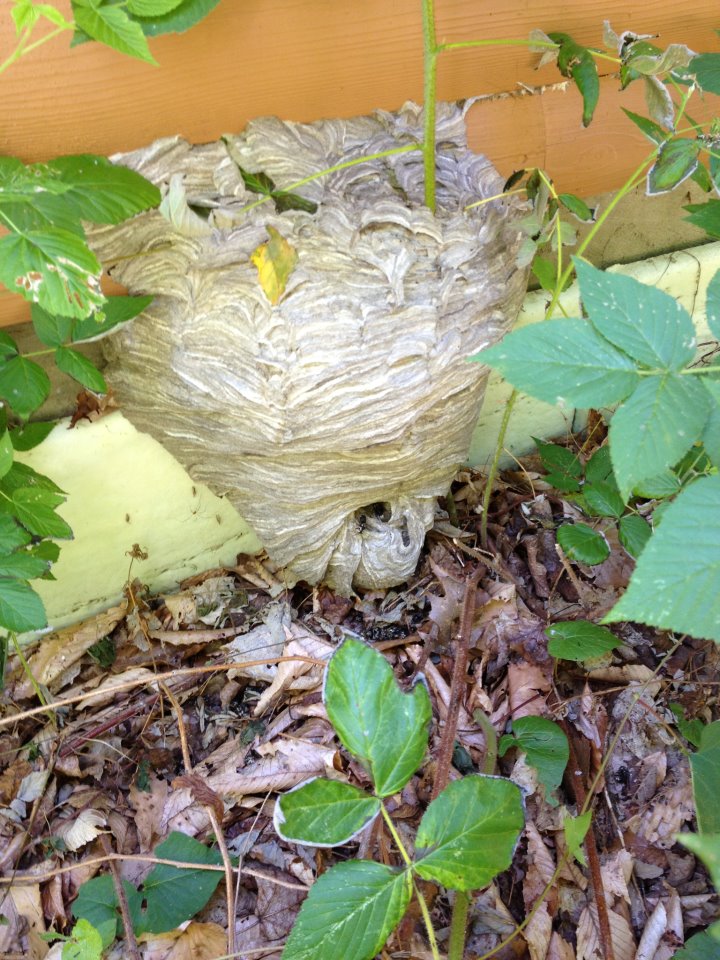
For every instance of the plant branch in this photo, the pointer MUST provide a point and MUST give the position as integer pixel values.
(430, 56)
(130, 939)
(458, 925)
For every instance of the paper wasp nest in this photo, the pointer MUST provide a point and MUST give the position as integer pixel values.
(334, 419)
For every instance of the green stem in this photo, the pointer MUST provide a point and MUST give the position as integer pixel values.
(495, 196)
(24, 47)
(500, 42)
(491, 742)
(458, 926)
(33, 682)
(430, 56)
(396, 836)
(492, 473)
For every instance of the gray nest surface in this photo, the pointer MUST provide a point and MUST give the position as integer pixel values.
(334, 419)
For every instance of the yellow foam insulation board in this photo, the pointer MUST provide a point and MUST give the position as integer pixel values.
(124, 489)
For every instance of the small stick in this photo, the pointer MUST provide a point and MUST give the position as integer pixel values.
(132, 944)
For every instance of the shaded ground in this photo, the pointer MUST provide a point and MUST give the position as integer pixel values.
(106, 777)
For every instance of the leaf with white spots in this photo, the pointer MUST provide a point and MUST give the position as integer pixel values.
(676, 583)
(563, 361)
(655, 427)
(644, 322)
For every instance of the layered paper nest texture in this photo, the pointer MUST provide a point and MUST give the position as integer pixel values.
(334, 419)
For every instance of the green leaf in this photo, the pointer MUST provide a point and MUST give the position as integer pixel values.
(702, 946)
(642, 321)
(545, 272)
(257, 182)
(113, 27)
(677, 160)
(78, 367)
(101, 191)
(50, 328)
(706, 846)
(6, 453)
(579, 640)
(577, 207)
(706, 70)
(576, 829)
(12, 535)
(35, 509)
(599, 466)
(676, 583)
(577, 62)
(30, 435)
(665, 484)
(690, 729)
(21, 609)
(634, 533)
(653, 131)
(324, 812)
(21, 475)
(175, 894)
(655, 426)
(97, 903)
(8, 347)
(350, 912)
(22, 565)
(24, 385)
(546, 747)
(382, 726)
(468, 834)
(178, 20)
(557, 459)
(705, 766)
(582, 543)
(51, 267)
(603, 499)
(563, 361)
(712, 305)
(86, 943)
(151, 8)
(292, 201)
(706, 216)
(115, 310)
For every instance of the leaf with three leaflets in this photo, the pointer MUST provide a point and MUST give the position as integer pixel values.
(563, 361)
(546, 748)
(324, 812)
(580, 542)
(642, 321)
(384, 727)
(676, 582)
(112, 27)
(655, 426)
(579, 640)
(634, 533)
(350, 912)
(468, 834)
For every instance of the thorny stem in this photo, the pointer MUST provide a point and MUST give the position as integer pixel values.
(491, 741)
(458, 925)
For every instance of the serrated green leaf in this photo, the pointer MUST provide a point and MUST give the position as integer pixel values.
(35, 509)
(50, 328)
(115, 311)
(579, 640)
(562, 483)
(706, 70)
(603, 499)
(575, 829)
(577, 207)
(642, 321)
(12, 535)
(557, 459)
(101, 191)
(324, 812)
(54, 268)
(634, 533)
(382, 726)
(706, 846)
(30, 435)
(22, 565)
(21, 475)
(7, 453)
(665, 484)
(702, 946)
(112, 27)
(706, 216)
(178, 20)
(151, 8)
(350, 912)
(712, 305)
(257, 182)
(21, 609)
(24, 385)
(655, 426)
(653, 131)
(563, 361)
(468, 834)
(705, 766)
(546, 748)
(676, 161)
(78, 367)
(175, 894)
(580, 542)
(676, 582)
(599, 466)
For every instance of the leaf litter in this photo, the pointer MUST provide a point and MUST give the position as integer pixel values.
(101, 764)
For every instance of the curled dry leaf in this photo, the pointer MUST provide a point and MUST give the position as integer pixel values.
(198, 941)
(298, 675)
(82, 829)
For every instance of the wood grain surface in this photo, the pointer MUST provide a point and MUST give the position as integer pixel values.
(307, 59)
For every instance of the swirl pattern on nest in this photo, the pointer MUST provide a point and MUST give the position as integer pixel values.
(354, 390)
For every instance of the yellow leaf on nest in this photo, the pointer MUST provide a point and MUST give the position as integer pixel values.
(275, 261)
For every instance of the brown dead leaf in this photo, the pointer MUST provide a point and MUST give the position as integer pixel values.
(275, 261)
(82, 829)
(198, 941)
(92, 406)
(528, 685)
(201, 792)
(293, 762)
(60, 650)
(560, 949)
(298, 675)
(588, 936)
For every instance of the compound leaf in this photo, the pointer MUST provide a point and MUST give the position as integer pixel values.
(468, 834)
